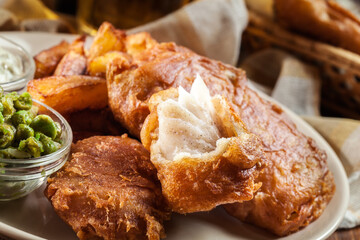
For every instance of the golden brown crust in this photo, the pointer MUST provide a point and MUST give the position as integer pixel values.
(132, 83)
(194, 184)
(109, 190)
(321, 19)
(297, 184)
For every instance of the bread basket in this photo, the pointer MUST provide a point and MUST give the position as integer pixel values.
(339, 68)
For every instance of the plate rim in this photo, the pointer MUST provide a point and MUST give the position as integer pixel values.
(321, 142)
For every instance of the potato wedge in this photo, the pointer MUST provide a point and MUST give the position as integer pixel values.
(68, 94)
(107, 39)
(110, 43)
(47, 60)
(74, 61)
(97, 66)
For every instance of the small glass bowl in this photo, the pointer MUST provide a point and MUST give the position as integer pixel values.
(18, 83)
(19, 177)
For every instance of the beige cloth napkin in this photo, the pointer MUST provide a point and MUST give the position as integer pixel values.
(211, 28)
(297, 86)
(286, 79)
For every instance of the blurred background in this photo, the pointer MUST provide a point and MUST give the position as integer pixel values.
(81, 16)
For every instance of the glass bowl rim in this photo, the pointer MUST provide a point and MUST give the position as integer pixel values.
(28, 73)
(49, 158)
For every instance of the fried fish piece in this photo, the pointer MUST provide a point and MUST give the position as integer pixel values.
(203, 152)
(297, 183)
(132, 83)
(109, 190)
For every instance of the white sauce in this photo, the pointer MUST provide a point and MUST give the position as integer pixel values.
(186, 126)
(11, 66)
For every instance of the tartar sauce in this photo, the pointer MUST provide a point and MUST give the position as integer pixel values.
(10, 65)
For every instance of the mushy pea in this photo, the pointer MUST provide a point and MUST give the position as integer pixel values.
(24, 133)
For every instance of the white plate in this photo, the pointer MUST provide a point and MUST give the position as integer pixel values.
(32, 217)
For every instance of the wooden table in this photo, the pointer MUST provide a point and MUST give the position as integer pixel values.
(352, 234)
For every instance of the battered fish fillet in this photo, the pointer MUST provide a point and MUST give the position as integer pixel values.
(109, 190)
(204, 154)
(297, 184)
(132, 83)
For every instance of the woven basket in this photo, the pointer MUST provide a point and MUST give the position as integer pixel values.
(339, 68)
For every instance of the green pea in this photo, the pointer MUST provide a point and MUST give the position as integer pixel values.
(37, 135)
(7, 133)
(58, 131)
(13, 95)
(8, 105)
(12, 152)
(45, 125)
(49, 145)
(23, 131)
(34, 111)
(23, 102)
(31, 145)
(21, 117)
